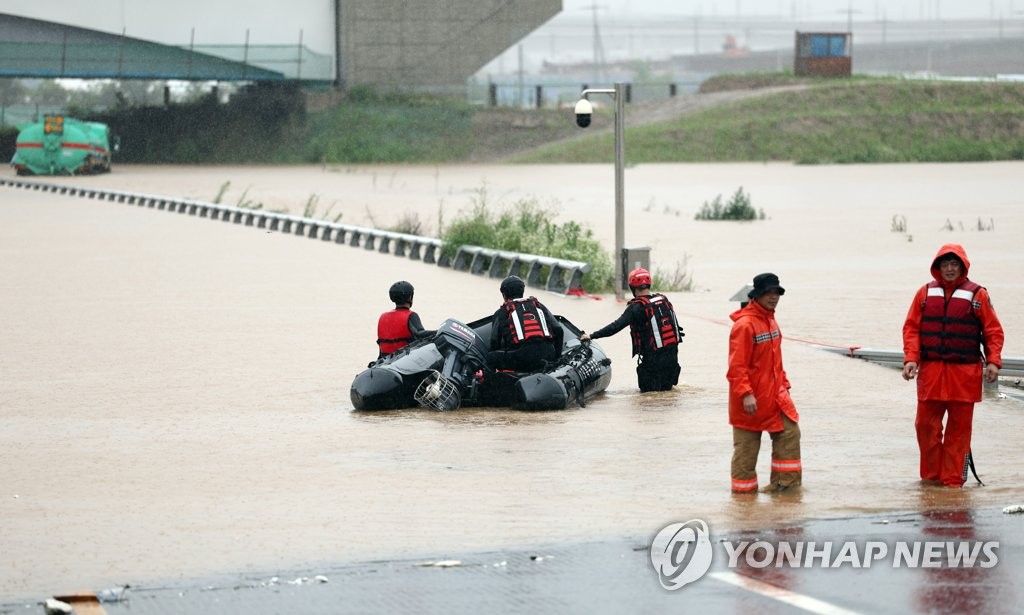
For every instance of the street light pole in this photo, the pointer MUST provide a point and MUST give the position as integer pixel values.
(618, 94)
(620, 192)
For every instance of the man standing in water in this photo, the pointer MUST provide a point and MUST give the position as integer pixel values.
(654, 331)
(759, 393)
(951, 339)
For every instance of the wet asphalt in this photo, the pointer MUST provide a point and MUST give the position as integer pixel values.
(617, 576)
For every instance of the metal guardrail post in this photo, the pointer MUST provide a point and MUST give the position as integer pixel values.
(533, 274)
(479, 262)
(430, 254)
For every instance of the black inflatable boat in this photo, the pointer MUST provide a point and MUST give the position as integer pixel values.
(449, 370)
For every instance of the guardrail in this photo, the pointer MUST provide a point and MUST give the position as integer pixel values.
(552, 274)
(1013, 367)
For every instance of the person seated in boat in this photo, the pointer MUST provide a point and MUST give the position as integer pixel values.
(654, 330)
(524, 334)
(397, 328)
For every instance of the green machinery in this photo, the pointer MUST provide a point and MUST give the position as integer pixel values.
(61, 145)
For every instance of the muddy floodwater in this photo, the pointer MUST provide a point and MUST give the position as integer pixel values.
(174, 391)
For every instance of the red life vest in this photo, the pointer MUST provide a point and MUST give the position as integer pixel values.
(659, 328)
(393, 330)
(950, 331)
(526, 321)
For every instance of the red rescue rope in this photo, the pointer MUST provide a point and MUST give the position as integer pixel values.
(717, 321)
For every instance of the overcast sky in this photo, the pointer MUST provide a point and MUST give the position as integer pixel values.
(273, 22)
(806, 9)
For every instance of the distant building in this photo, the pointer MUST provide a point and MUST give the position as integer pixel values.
(828, 54)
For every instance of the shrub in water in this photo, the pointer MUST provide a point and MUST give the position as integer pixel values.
(738, 208)
(527, 228)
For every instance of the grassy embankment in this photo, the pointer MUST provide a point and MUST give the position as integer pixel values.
(858, 121)
(268, 124)
(832, 121)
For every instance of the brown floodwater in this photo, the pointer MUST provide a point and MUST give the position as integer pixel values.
(174, 391)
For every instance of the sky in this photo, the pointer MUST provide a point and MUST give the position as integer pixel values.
(807, 9)
(226, 21)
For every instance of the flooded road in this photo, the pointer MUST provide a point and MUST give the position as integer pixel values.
(174, 391)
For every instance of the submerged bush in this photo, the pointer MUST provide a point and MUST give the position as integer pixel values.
(679, 280)
(527, 228)
(738, 208)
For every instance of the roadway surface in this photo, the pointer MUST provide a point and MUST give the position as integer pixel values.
(617, 576)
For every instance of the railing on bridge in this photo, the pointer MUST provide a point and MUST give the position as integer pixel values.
(552, 274)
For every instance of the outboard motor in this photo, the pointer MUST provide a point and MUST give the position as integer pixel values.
(464, 353)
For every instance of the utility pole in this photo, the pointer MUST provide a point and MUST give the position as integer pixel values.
(598, 46)
(849, 16)
(696, 35)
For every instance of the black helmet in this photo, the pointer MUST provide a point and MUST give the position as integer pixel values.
(401, 292)
(513, 287)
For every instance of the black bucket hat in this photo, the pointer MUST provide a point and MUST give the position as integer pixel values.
(764, 282)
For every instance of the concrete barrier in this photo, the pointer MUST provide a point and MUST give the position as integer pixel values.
(552, 274)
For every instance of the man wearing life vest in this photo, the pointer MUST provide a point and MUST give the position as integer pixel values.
(524, 333)
(759, 393)
(952, 339)
(398, 327)
(654, 331)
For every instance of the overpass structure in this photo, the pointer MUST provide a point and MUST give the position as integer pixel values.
(39, 49)
(428, 44)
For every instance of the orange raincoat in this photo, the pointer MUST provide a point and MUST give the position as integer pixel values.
(944, 380)
(755, 366)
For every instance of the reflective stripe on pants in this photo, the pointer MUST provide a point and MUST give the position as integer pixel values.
(787, 468)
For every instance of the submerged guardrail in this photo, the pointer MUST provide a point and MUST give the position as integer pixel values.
(552, 274)
(1013, 367)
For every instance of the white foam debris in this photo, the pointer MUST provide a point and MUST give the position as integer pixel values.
(1016, 509)
(320, 578)
(444, 563)
(52, 606)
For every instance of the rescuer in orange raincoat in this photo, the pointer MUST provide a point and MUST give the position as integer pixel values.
(951, 340)
(759, 392)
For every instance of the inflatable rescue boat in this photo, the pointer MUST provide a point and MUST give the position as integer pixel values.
(448, 370)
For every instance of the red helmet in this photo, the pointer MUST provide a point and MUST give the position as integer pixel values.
(639, 277)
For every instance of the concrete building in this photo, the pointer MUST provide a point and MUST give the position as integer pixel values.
(435, 44)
